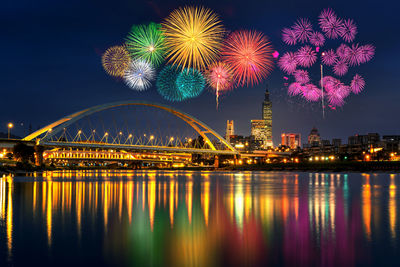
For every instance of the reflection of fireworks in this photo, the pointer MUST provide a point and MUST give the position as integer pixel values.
(139, 74)
(193, 37)
(146, 42)
(116, 60)
(190, 83)
(249, 53)
(219, 77)
(166, 84)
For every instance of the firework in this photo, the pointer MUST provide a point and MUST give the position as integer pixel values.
(288, 62)
(193, 37)
(357, 84)
(190, 83)
(295, 89)
(219, 76)
(367, 53)
(289, 36)
(249, 53)
(329, 57)
(343, 52)
(311, 93)
(146, 42)
(317, 39)
(330, 24)
(306, 56)
(116, 60)
(139, 74)
(166, 84)
(330, 83)
(355, 55)
(336, 97)
(349, 30)
(301, 76)
(302, 30)
(340, 68)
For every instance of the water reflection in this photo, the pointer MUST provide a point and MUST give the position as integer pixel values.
(203, 219)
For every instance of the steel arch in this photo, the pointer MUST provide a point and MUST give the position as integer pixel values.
(57, 126)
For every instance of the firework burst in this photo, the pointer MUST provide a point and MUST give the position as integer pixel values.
(301, 76)
(330, 24)
(311, 92)
(249, 53)
(193, 37)
(317, 39)
(302, 30)
(190, 82)
(220, 78)
(349, 30)
(116, 60)
(329, 57)
(139, 74)
(306, 56)
(146, 42)
(343, 52)
(289, 36)
(357, 84)
(288, 62)
(166, 84)
(340, 68)
(295, 89)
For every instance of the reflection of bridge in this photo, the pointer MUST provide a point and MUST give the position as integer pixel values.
(90, 146)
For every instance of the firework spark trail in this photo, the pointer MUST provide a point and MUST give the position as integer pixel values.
(193, 37)
(249, 53)
(219, 76)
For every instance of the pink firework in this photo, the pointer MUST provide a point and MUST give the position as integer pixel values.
(289, 36)
(219, 76)
(311, 92)
(357, 84)
(330, 24)
(367, 53)
(340, 68)
(302, 30)
(349, 30)
(288, 62)
(306, 56)
(301, 76)
(336, 97)
(317, 39)
(295, 89)
(329, 57)
(343, 52)
(356, 56)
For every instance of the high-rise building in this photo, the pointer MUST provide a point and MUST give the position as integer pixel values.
(292, 140)
(314, 139)
(261, 130)
(230, 130)
(267, 116)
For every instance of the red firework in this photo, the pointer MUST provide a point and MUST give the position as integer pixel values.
(220, 78)
(249, 53)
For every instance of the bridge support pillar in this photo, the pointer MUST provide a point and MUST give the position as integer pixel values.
(39, 155)
(216, 161)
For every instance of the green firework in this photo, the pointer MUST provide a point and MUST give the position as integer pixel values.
(146, 42)
(166, 84)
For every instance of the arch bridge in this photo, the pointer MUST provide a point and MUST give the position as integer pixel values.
(87, 147)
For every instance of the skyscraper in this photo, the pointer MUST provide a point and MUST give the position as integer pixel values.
(292, 140)
(230, 130)
(261, 130)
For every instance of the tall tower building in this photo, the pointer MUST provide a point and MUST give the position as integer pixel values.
(267, 116)
(230, 130)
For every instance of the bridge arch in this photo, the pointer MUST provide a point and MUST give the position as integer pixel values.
(200, 127)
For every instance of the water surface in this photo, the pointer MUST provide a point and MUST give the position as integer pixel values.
(155, 218)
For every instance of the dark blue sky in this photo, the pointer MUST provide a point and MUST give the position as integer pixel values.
(51, 63)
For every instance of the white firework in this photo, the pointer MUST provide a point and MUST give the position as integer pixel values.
(139, 75)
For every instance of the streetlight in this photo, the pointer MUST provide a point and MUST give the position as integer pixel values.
(10, 125)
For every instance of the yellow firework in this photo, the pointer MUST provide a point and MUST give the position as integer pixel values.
(116, 60)
(193, 37)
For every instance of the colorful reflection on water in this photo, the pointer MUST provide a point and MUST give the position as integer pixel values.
(200, 219)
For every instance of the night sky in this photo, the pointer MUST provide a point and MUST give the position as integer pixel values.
(51, 63)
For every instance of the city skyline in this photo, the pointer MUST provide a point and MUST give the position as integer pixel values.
(60, 71)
